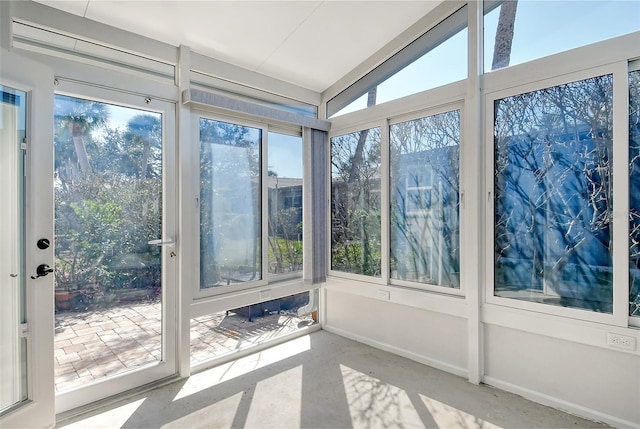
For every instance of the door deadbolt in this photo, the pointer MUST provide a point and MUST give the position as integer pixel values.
(42, 270)
(43, 243)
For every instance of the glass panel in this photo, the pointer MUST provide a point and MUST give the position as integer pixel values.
(425, 184)
(285, 203)
(634, 193)
(355, 203)
(223, 333)
(444, 64)
(553, 195)
(108, 206)
(436, 58)
(533, 29)
(230, 203)
(13, 371)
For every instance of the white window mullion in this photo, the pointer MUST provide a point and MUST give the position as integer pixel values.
(634, 66)
(486, 197)
(264, 192)
(384, 201)
(620, 247)
(194, 156)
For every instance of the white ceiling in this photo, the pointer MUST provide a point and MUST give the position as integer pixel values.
(308, 43)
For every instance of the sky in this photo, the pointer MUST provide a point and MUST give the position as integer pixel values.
(542, 28)
(285, 155)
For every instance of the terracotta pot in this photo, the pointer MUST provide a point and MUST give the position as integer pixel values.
(64, 300)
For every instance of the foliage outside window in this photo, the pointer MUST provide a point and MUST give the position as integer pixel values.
(634, 193)
(230, 203)
(355, 203)
(108, 203)
(425, 184)
(285, 203)
(553, 195)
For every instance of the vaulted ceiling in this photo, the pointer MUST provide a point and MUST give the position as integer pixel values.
(308, 43)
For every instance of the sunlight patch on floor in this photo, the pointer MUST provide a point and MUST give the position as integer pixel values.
(374, 403)
(447, 416)
(217, 415)
(227, 371)
(267, 407)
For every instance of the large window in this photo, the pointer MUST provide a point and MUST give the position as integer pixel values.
(634, 195)
(553, 195)
(230, 203)
(355, 203)
(425, 184)
(523, 30)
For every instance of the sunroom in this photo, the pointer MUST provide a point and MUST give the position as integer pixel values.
(190, 184)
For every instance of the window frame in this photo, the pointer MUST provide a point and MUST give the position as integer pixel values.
(438, 106)
(384, 200)
(458, 105)
(620, 193)
(266, 278)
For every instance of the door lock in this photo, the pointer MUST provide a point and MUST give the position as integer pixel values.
(42, 270)
(43, 243)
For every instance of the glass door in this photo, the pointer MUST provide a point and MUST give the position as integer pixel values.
(13, 356)
(114, 245)
(26, 226)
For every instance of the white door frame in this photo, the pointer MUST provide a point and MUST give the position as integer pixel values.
(104, 388)
(37, 81)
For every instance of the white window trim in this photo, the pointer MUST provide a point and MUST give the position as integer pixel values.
(74, 398)
(619, 317)
(436, 110)
(272, 281)
(235, 287)
(439, 105)
(384, 201)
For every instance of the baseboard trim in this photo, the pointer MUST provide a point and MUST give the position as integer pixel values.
(434, 363)
(560, 404)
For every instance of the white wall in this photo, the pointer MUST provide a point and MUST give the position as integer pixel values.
(354, 310)
(591, 381)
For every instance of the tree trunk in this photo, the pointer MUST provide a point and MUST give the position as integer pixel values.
(504, 35)
(357, 156)
(145, 158)
(81, 150)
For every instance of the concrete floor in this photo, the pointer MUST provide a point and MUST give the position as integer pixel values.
(322, 380)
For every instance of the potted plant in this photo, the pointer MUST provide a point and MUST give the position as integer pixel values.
(74, 272)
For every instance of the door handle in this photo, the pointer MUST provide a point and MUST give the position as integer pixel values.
(42, 270)
(167, 242)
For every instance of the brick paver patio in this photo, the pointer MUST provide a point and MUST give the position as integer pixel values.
(99, 343)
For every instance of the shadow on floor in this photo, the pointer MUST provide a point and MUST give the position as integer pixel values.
(322, 380)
